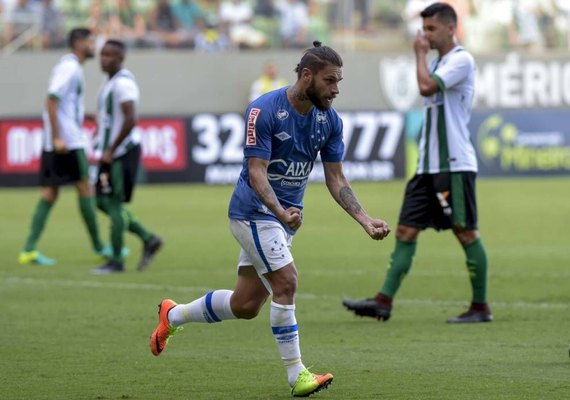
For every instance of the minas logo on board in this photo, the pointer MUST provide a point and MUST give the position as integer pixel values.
(505, 144)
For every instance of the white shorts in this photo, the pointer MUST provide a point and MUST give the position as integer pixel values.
(264, 244)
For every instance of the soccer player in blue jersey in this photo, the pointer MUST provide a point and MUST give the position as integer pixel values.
(286, 129)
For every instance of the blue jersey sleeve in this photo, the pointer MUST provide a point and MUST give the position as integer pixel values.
(258, 132)
(334, 147)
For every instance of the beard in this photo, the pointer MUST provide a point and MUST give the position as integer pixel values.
(317, 101)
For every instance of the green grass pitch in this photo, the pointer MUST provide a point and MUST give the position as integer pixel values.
(65, 334)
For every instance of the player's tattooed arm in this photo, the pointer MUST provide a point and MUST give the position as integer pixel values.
(291, 216)
(260, 184)
(341, 191)
(349, 201)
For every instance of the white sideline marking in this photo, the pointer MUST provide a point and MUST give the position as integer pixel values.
(431, 273)
(305, 296)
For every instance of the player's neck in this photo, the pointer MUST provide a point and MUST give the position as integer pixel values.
(80, 57)
(113, 73)
(447, 48)
(299, 100)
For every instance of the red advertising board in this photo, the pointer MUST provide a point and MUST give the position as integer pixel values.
(163, 144)
(20, 146)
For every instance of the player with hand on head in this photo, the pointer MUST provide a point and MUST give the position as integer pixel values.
(441, 195)
(286, 130)
(119, 143)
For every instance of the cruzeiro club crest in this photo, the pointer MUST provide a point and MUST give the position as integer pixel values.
(398, 79)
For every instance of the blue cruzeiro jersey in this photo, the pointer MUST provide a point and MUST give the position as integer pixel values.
(275, 131)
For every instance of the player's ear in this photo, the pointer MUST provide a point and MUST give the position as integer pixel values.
(452, 28)
(306, 75)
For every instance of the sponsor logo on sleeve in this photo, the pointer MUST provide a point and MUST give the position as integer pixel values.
(251, 139)
(282, 114)
(283, 136)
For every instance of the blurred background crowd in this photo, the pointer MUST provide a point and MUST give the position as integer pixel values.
(235, 25)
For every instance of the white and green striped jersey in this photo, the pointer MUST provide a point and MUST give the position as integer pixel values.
(120, 89)
(67, 85)
(445, 144)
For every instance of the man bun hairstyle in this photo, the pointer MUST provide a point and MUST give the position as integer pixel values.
(443, 11)
(76, 35)
(317, 58)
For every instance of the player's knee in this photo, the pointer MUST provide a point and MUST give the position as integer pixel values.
(84, 188)
(247, 310)
(465, 236)
(286, 289)
(50, 194)
(407, 233)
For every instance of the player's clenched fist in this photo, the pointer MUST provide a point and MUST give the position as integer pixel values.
(377, 229)
(292, 218)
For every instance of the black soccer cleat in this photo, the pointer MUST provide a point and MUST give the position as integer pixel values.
(150, 248)
(479, 313)
(110, 267)
(369, 308)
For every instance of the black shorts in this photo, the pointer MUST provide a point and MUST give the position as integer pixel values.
(60, 168)
(440, 201)
(118, 180)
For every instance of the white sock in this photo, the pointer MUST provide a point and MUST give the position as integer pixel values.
(284, 327)
(213, 307)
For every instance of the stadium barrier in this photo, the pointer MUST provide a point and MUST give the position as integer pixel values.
(517, 123)
(208, 148)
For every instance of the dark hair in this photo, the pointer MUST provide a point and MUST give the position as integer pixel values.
(443, 11)
(117, 43)
(318, 57)
(76, 35)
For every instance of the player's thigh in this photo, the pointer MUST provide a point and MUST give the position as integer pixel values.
(79, 165)
(463, 201)
(58, 169)
(124, 172)
(77, 168)
(83, 188)
(249, 294)
(420, 204)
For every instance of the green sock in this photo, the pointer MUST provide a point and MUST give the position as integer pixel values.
(400, 263)
(38, 223)
(103, 204)
(477, 266)
(118, 223)
(87, 208)
(136, 227)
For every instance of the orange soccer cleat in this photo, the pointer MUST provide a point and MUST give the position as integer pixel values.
(163, 331)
